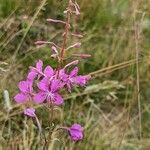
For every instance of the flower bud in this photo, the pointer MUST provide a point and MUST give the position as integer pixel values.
(76, 132)
(83, 56)
(76, 45)
(39, 43)
(30, 112)
(75, 62)
(55, 21)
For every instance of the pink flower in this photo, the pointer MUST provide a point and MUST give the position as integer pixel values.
(48, 72)
(34, 72)
(25, 94)
(82, 80)
(30, 112)
(76, 132)
(73, 79)
(49, 91)
(37, 71)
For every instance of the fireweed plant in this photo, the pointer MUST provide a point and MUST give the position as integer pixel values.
(44, 85)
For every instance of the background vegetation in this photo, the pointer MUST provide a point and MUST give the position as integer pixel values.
(117, 35)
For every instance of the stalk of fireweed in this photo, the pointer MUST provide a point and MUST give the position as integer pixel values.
(50, 81)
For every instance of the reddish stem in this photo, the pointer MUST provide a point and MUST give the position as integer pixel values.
(62, 52)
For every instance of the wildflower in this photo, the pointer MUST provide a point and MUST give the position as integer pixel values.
(25, 94)
(49, 91)
(81, 80)
(48, 72)
(73, 78)
(76, 132)
(34, 72)
(30, 112)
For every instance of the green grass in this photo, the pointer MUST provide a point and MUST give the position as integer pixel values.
(108, 107)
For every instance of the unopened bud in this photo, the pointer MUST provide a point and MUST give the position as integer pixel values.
(75, 62)
(54, 50)
(55, 21)
(77, 11)
(77, 35)
(83, 56)
(76, 45)
(39, 43)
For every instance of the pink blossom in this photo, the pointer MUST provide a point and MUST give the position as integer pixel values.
(49, 91)
(37, 71)
(34, 72)
(82, 80)
(30, 112)
(76, 132)
(72, 78)
(25, 94)
(48, 72)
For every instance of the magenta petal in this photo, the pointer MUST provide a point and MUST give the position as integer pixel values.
(49, 71)
(43, 85)
(74, 72)
(81, 80)
(76, 136)
(61, 72)
(23, 86)
(58, 100)
(55, 85)
(76, 132)
(39, 97)
(77, 126)
(39, 65)
(32, 75)
(30, 112)
(21, 98)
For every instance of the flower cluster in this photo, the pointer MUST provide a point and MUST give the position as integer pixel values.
(44, 84)
(49, 83)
